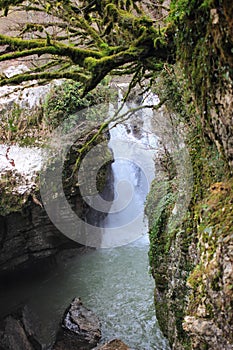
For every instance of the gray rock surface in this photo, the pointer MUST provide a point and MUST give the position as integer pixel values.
(20, 331)
(80, 328)
(28, 238)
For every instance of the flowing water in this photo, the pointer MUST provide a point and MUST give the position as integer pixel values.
(114, 282)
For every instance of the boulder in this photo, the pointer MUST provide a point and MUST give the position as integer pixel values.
(114, 344)
(80, 328)
(20, 331)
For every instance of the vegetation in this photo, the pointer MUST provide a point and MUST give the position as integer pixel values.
(85, 41)
(9, 201)
(65, 100)
(88, 40)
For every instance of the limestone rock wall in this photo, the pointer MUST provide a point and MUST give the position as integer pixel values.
(192, 264)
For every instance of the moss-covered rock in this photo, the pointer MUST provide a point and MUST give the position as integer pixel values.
(211, 281)
(194, 283)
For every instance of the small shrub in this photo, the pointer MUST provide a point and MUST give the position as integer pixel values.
(65, 100)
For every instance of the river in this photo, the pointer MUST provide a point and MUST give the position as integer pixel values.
(115, 283)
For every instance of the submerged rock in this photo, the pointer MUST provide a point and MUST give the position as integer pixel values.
(80, 328)
(114, 344)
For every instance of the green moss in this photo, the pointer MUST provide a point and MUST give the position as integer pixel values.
(65, 100)
(10, 200)
(202, 54)
(187, 88)
(216, 282)
(195, 278)
(158, 208)
(217, 215)
(162, 312)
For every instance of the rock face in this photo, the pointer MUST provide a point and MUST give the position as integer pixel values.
(80, 328)
(208, 332)
(27, 236)
(192, 264)
(210, 307)
(29, 239)
(19, 332)
(222, 121)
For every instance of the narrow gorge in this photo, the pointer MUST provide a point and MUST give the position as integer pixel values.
(151, 253)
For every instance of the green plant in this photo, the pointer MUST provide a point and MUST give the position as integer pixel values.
(66, 99)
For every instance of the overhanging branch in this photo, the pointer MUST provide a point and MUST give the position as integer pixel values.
(20, 78)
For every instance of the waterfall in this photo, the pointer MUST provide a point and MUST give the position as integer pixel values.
(114, 283)
(133, 146)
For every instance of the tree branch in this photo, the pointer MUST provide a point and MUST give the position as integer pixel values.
(20, 78)
(107, 36)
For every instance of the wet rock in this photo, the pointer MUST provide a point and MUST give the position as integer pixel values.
(29, 240)
(80, 328)
(20, 331)
(114, 344)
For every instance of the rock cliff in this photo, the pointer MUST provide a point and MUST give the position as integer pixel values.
(28, 238)
(192, 262)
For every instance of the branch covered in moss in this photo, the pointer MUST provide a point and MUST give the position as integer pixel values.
(20, 78)
(97, 37)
